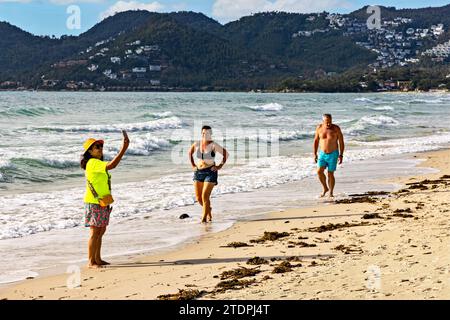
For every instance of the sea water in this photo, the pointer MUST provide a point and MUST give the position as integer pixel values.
(271, 166)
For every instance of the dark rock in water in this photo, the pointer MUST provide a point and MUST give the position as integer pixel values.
(184, 216)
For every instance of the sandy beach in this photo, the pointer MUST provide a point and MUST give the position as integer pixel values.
(376, 246)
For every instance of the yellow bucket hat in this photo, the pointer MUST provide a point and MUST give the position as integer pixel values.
(89, 142)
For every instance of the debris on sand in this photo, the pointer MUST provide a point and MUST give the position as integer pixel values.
(403, 215)
(401, 191)
(422, 185)
(257, 261)
(362, 199)
(239, 273)
(419, 186)
(407, 210)
(348, 249)
(236, 245)
(270, 236)
(293, 258)
(233, 285)
(374, 215)
(283, 267)
(182, 295)
(420, 205)
(332, 226)
(274, 259)
(371, 193)
(302, 244)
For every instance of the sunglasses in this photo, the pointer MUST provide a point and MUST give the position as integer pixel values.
(97, 146)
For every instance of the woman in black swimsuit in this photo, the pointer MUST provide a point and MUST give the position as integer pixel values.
(205, 172)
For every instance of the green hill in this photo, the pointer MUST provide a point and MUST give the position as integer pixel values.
(190, 51)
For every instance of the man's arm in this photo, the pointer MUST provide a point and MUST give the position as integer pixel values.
(341, 144)
(316, 143)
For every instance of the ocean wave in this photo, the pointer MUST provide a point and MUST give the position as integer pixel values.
(411, 144)
(267, 107)
(4, 165)
(27, 112)
(145, 146)
(53, 163)
(365, 100)
(382, 108)
(159, 124)
(427, 101)
(157, 115)
(380, 120)
(366, 122)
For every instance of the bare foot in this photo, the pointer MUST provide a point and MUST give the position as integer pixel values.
(104, 263)
(331, 195)
(95, 266)
(324, 192)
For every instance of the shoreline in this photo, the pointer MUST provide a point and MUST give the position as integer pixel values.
(206, 251)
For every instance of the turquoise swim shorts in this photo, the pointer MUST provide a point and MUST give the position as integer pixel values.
(328, 160)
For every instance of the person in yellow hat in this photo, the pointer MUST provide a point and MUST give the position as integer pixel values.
(98, 194)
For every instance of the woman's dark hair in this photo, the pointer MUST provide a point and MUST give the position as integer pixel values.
(206, 128)
(85, 157)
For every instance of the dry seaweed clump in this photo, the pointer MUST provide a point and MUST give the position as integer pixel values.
(257, 261)
(348, 249)
(403, 215)
(301, 244)
(361, 199)
(285, 266)
(233, 284)
(332, 226)
(239, 273)
(270, 236)
(371, 193)
(374, 215)
(182, 295)
(236, 245)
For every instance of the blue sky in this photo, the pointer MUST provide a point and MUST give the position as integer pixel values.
(48, 17)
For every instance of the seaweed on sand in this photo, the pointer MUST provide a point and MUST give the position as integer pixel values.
(270, 236)
(239, 273)
(332, 226)
(182, 295)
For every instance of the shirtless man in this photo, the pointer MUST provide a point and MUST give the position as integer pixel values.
(328, 135)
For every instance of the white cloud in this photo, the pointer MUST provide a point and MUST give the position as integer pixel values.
(121, 6)
(228, 10)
